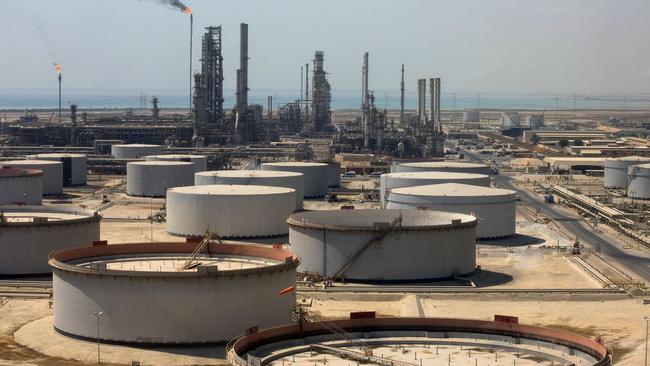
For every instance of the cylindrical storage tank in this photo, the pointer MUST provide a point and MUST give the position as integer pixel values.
(389, 181)
(425, 245)
(74, 167)
(494, 208)
(162, 301)
(254, 177)
(134, 151)
(153, 178)
(52, 173)
(30, 233)
(616, 170)
(315, 175)
(333, 174)
(444, 166)
(20, 186)
(230, 211)
(200, 161)
(639, 181)
(396, 162)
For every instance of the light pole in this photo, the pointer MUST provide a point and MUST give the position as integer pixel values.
(98, 315)
(645, 362)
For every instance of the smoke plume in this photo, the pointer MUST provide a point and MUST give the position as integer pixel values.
(177, 4)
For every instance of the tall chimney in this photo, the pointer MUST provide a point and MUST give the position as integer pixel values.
(242, 73)
(73, 125)
(401, 98)
(269, 108)
(436, 109)
(307, 89)
(365, 104)
(422, 102)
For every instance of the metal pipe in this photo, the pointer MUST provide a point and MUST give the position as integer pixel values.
(191, 39)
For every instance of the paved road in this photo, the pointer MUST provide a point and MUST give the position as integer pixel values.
(574, 224)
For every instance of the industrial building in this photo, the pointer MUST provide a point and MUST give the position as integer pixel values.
(616, 170)
(366, 339)
(231, 211)
(52, 173)
(134, 151)
(494, 208)
(31, 233)
(567, 164)
(255, 177)
(639, 181)
(171, 293)
(20, 186)
(390, 181)
(315, 175)
(351, 244)
(153, 178)
(74, 166)
(200, 161)
(443, 166)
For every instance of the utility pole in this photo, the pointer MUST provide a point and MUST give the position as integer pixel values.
(645, 362)
(98, 315)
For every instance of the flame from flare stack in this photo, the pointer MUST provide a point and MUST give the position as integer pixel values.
(187, 10)
(57, 67)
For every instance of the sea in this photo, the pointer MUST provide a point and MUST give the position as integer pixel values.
(22, 99)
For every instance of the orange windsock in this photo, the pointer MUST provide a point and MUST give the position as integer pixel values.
(287, 290)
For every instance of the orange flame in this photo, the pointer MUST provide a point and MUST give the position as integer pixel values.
(187, 10)
(57, 67)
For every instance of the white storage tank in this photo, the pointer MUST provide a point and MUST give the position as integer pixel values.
(389, 181)
(333, 174)
(134, 151)
(639, 181)
(52, 173)
(409, 245)
(616, 170)
(495, 208)
(229, 210)
(315, 175)
(153, 178)
(254, 177)
(444, 166)
(74, 166)
(147, 297)
(30, 233)
(20, 186)
(200, 161)
(471, 115)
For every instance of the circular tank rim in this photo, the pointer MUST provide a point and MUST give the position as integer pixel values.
(301, 220)
(230, 190)
(83, 215)
(175, 156)
(442, 164)
(137, 145)
(59, 260)
(160, 163)
(9, 172)
(244, 344)
(298, 164)
(452, 191)
(58, 155)
(30, 162)
(434, 175)
(251, 173)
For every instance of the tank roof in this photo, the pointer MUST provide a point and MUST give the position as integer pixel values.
(295, 163)
(58, 155)
(30, 162)
(248, 173)
(161, 163)
(231, 190)
(13, 215)
(9, 172)
(453, 190)
(175, 156)
(443, 164)
(367, 219)
(167, 259)
(641, 166)
(138, 145)
(435, 175)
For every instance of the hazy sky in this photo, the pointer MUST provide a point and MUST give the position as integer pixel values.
(519, 46)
